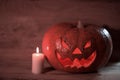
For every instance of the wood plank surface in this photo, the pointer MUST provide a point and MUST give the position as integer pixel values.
(16, 65)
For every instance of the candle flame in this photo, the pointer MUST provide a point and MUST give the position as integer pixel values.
(37, 49)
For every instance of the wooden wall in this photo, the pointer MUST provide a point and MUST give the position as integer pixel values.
(24, 22)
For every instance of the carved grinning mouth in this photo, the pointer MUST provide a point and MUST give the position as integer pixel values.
(78, 63)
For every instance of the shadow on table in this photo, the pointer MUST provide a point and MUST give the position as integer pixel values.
(61, 75)
(51, 70)
(48, 69)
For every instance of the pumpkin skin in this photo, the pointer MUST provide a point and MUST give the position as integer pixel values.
(74, 49)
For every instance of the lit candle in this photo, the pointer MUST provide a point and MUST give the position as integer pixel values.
(37, 62)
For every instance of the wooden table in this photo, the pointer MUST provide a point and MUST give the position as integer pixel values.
(16, 65)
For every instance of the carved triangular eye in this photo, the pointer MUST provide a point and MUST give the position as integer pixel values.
(65, 45)
(88, 44)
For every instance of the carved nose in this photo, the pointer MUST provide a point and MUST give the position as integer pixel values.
(77, 51)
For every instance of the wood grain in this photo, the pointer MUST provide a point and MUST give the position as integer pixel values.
(16, 65)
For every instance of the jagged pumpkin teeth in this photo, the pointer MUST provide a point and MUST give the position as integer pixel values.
(76, 62)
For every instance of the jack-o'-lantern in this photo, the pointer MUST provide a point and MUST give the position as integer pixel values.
(77, 48)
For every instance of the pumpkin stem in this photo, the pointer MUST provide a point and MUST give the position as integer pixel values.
(79, 25)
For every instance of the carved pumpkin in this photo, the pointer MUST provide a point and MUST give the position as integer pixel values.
(77, 49)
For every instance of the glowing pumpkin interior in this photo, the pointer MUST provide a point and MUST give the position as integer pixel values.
(76, 62)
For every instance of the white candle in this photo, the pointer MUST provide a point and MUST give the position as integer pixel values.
(37, 62)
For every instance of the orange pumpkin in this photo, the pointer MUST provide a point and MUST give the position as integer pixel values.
(72, 48)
